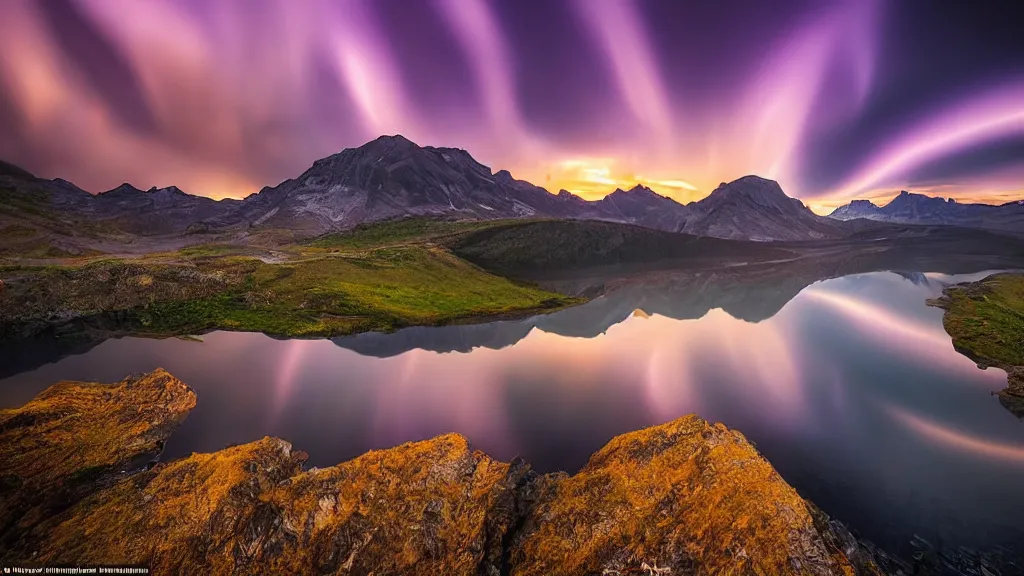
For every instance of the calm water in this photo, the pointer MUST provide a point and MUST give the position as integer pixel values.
(851, 389)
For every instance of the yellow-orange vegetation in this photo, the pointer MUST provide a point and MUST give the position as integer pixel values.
(75, 435)
(687, 495)
(72, 426)
(431, 507)
(690, 496)
(179, 518)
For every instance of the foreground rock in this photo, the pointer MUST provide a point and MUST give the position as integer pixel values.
(687, 496)
(986, 320)
(76, 437)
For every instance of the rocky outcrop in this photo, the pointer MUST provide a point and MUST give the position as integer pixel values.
(686, 497)
(433, 507)
(76, 437)
(1012, 397)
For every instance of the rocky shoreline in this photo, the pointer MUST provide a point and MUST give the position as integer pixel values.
(688, 496)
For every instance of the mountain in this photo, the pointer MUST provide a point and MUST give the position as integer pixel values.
(159, 210)
(857, 209)
(393, 177)
(8, 169)
(910, 208)
(755, 208)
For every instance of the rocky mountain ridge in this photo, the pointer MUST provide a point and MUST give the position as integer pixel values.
(124, 209)
(911, 208)
(392, 177)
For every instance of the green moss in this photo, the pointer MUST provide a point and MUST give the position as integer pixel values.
(22, 203)
(376, 277)
(986, 319)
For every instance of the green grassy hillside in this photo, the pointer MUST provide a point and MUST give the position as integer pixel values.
(308, 295)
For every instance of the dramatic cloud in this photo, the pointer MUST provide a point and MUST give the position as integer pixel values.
(838, 100)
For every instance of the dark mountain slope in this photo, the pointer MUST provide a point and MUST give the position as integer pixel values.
(561, 244)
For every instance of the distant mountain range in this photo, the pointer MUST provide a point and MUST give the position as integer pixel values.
(392, 177)
(909, 208)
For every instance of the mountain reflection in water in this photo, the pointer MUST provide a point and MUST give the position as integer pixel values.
(849, 386)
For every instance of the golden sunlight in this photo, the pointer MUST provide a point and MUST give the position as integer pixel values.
(595, 178)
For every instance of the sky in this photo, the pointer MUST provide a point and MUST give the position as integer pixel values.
(834, 99)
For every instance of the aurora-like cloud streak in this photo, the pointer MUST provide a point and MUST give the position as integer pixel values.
(622, 38)
(990, 116)
(480, 36)
(836, 100)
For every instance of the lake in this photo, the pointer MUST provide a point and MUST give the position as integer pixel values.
(849, 386)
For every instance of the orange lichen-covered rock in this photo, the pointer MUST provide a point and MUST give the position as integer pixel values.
(686, 497)
(75, 437)
(431, 507)
(186, 517)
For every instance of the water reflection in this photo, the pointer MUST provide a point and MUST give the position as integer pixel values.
(953, 438)
(849, 386)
